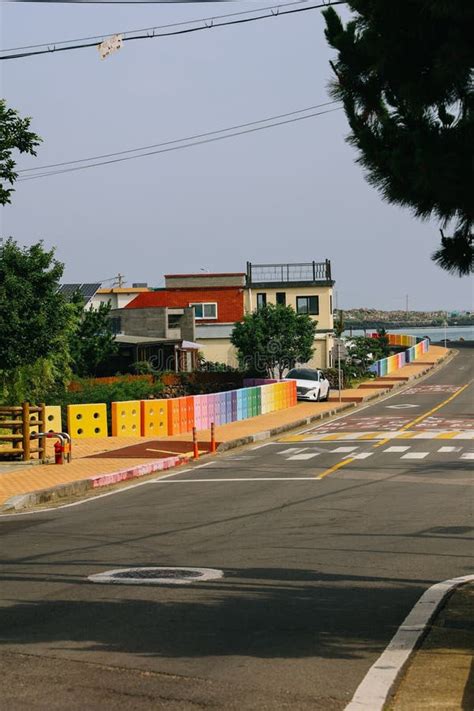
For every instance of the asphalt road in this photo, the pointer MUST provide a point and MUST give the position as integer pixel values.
(326, 541)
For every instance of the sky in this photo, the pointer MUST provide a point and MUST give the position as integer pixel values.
(292, 193)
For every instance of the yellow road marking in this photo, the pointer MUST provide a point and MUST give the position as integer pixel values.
(331, 438)
(369, 435)
(447, 435)
(405, 435)
(335, 467)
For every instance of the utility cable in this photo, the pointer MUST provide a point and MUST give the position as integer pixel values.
(179, 147)
(176, 140)
(154, 35)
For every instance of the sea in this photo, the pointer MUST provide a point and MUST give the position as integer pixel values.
(451, 333)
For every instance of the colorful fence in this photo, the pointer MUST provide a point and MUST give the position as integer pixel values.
(385, 366)
(180, 415)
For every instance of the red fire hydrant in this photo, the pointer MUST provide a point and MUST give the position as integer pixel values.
(58, 452)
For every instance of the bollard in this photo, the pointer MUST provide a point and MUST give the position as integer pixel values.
(195, 445)
(213, 437)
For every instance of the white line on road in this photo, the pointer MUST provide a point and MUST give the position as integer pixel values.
(467, 455)
(414, 455)
(306, 455)
(261, 478)
(395, 449)
(372, 693)
(362, 455)
(449, 449)
(344, 449)
(293, 450)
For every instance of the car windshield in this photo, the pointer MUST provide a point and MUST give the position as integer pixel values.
(303, 374)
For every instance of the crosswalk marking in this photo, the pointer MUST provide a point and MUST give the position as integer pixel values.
(305, 455)
(374, 436)
(415, 455)
(449, 449)
(293, 450)
(467, 455)
(362, 455)
(396, 449)
(344, 449)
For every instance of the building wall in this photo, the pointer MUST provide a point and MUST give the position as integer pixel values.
(153, 322)
(324, 319)
(203, 281)
(118, 297)
(230, 301)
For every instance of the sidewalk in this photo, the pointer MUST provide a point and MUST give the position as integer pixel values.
(440, 674)
(106, 461)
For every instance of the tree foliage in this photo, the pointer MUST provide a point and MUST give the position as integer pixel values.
(35, 321)
(14, 135)
(93, 342)
(272, 339)
(404, 74)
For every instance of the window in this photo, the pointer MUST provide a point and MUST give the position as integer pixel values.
(330, 303)
(203, 311)
(281, 298)
(174, 320)
(261, 300)
(307, 305)
(116, 324)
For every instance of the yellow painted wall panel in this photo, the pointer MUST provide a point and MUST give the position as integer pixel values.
(87, 420)
(126, 418)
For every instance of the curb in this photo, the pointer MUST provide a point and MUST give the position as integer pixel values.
(20, 502)
(82, 486)
(373, 692)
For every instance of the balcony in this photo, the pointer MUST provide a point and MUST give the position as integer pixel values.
(296, 274)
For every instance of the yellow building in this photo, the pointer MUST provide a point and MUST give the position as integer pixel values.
(307, 287)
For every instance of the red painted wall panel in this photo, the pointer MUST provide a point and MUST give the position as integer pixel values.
(230, 301)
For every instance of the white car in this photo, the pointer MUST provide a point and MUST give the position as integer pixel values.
(310, 384)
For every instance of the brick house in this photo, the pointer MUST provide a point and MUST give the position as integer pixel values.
(219, 300)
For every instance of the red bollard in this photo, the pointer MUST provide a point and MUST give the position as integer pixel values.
(58, 452)
(195, 445)
(213, 438)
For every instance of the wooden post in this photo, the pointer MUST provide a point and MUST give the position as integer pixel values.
(42, 440)
(26, 431)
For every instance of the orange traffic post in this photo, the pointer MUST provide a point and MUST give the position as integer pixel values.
(195, 445)
(213, 437)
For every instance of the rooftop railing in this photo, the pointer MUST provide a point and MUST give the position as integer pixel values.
(309, 272)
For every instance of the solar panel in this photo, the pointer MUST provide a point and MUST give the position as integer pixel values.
(87, 291)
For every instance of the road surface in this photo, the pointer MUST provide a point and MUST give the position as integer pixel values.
(326, 540)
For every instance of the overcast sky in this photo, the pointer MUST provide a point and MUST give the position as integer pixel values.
(288, 194)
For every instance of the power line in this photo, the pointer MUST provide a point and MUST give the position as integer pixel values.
(177, 140)
(179, 147)
(154, 35)
(156, 27)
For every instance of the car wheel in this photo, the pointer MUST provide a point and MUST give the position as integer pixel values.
(325, 399)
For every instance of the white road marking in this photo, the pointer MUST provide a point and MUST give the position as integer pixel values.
(396, 449)
(306, 455)
(415, 455)
(467, 455)
(400, 407)
(362, 455)
(344, 449)
(262, 478)
(373, 692)
(293, 450)
(449, 449)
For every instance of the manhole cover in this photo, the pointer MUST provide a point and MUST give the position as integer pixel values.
(156, 576)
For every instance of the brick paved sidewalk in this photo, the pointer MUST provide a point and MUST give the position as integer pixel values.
(17, 479)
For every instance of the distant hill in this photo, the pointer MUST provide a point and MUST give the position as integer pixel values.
(375, 318)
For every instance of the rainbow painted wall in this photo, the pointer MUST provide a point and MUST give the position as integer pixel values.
(173, 416)
(415, 347)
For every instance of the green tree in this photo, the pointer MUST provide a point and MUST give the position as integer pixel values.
(404, 74)
(272, 339)
(35, 322)
(92, 342)
(14, 135)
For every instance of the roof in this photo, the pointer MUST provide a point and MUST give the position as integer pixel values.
(204, 275)
(123, 290)
(143, 340)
